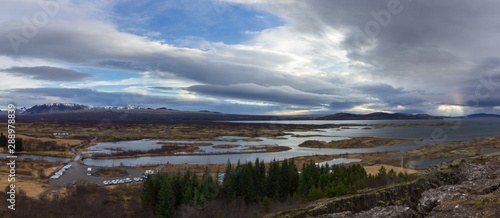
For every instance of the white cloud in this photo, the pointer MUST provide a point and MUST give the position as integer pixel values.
(313, 57)
(451, 110)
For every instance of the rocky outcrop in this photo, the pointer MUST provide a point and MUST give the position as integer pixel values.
(386, 212)
(477, 195)
(458, 188)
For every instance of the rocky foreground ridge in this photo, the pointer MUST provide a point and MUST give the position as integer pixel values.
(459, 188)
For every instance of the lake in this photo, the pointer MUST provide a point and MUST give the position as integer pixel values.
(473, 128)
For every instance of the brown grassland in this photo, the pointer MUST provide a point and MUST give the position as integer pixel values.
(357, 142)
(225, 146)
(31, 175)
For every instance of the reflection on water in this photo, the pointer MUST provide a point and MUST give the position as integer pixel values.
(426, 163)
(474, 128)
(39, 157)
(489, 150)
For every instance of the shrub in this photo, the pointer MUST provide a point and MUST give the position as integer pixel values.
(266, 205)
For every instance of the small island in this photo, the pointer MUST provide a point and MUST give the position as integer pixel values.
(357, 142)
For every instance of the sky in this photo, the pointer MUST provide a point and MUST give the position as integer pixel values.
(276, 57)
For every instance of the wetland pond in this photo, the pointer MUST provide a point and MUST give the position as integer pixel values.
(471, 129)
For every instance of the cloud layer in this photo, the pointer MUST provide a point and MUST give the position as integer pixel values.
(329, 56)
(48, 73)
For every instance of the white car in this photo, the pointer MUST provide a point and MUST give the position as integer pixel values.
(105, 182)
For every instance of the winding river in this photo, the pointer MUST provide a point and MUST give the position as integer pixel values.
(472, 128)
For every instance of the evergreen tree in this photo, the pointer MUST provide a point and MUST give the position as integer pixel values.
(208, 189)
(294, 180)
(266, 205)
(3, 140)
(219, 214)
(166, 199)
(249, 193)
(404, 176)
(178, 189)
(254, 214)
(284, 180)
(260, 178)
(382, 172)
(273, 178)
(149, 194)
(314, 194)
(302, 186)
(228, 186)
(19, 144)
(188, 186)
(392, 173)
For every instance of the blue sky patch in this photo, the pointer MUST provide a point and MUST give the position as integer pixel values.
(214, 21)
(105, 75)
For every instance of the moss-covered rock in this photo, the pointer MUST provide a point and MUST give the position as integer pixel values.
(449, 182)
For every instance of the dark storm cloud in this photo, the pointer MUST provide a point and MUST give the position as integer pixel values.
(391, 96)
(34, 96)
(433, 49)
(341, 106)
(424, 45)
(48, 73)
(162, 88)
(481, 89)
(276, 94)
(220, 73)
(380, 89)
(88, 45)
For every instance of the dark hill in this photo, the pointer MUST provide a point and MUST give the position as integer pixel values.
(482, 115)
(140, 115)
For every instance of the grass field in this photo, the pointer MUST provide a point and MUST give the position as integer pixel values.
(34, 175)
(375, 169)
(32, 187)
(59, 141)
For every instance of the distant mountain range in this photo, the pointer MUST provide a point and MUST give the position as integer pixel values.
(482, 115)
(55, 107)
(65, 107)
(78, 111)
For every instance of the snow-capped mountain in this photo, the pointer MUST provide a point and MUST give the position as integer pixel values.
(62, 107)
(55, 107)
